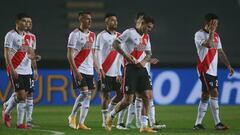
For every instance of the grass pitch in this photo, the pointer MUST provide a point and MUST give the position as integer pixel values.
(179, 121)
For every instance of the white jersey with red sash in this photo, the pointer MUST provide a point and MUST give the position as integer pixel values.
(108, 58)
(30, 38)
(82, 43)
(18, 52)
(207, 57)
(134, 43)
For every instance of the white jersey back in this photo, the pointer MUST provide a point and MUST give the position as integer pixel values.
(134, 43)
(108, 58)
(19, 46)
(82, 43)
(207, 57)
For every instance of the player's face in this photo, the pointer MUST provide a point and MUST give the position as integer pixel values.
(22, 24)
(147, 27)
(86, 21)
(139, 21)
(215, 23)
(112, 22)
(29, 24)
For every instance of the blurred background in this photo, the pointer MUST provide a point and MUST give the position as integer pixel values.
(172, 39)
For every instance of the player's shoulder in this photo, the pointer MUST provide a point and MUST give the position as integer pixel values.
(11, 33)
(200, 32)
(102, 33)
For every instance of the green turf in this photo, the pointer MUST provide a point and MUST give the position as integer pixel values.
(179, 121)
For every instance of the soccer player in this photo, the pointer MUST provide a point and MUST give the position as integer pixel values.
(136, 41)
(109, 62)
(29, 38)
(81, 57)
(16, 53)
(209, 48)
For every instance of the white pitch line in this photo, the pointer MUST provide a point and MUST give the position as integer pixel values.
(50, 131)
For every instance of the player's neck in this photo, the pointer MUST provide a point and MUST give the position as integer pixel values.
(138, 31)
(111, 31)
(20, 32)
(205, 29)
(83, 30)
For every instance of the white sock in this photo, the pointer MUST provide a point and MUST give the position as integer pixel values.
(202, 109)
(113, 113)
(12, 102)
(144, 121)
(131, 113)
(111, 106)
(152, 120)
(104, 115)
(215, 110)
(138, 111)
(10, 98)
(21, 106)
(121, 115)
(78, 103)
(85, 108)
(29, 109)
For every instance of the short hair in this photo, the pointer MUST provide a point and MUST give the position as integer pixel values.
(139, 14)
(109, 15)
(21, 16)
(81, 13)
(210, 16)
(148, 19)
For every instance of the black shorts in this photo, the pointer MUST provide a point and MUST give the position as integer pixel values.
(86, 81)
(209, 82)
(23, 82)
(109, 84)
(136, 79)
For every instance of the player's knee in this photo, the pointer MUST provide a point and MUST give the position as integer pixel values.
(205, 96)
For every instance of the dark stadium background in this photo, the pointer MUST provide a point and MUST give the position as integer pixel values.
(172, 38)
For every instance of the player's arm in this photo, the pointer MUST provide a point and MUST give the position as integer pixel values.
(224, 59)
(211, 28)
(9, 62)
(117, 47)
(95, 63)
(72, 63)
(147, 58)
(34, 65)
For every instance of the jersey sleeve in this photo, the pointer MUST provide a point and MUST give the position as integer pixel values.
(124, 36)
(219, 46)
(72, 40)
(8, 42)
(119, 65)
(199, 39)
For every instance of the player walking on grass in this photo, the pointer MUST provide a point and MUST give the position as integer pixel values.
(18, 54)
(209, 48)
(136, 80)
(81, 57)
(109, 62)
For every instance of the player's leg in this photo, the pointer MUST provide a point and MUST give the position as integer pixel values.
(77, 104)
(105, 98)
(127, 99)
(138, 110)
(120, 122)
(88, 86)
(29, 102)
(214, 104)
(203, 104)
(130, 115)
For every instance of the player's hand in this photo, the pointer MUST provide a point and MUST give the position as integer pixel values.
(141, 64)
(131, 59)
(38, 57)
(102, 73)
(212, 26)
(78, 76)
(231, 70)
(35, 76)
(154, 61)
(119, 78)
(14, 74)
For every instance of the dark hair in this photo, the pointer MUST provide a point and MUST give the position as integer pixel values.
(21, 16)
(81, 13)
(210, 16)
(148, 19)
(110, 15)
(139, 14)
